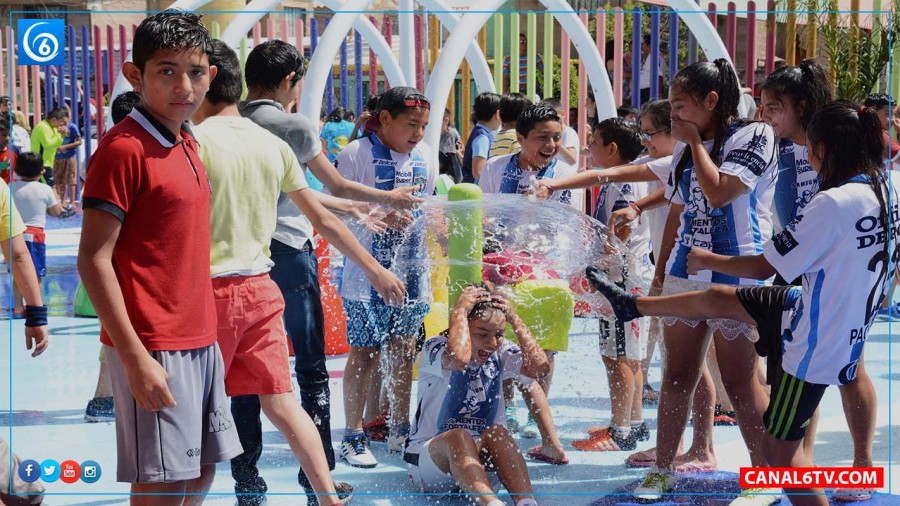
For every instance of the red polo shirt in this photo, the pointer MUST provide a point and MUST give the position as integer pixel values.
(157, 186)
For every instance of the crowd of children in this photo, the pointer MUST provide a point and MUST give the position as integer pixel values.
(196, 315)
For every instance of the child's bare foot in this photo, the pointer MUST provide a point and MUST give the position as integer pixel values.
(554, 451)
(694, 461)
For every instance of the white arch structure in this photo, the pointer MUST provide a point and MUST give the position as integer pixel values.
(461, 43)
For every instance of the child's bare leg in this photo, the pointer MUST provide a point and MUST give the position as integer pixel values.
(701, 451)
(637, 404)
(685, 360)
(781, 453)
(456, 452)
(104, 387)
(285, 412)
(374, 398)
(157, 494)
(195, 490)
(547, 380)
(499, 452)
(357, 380)
(621, 390)
(654, 333)
(860, 408)
(539, 407)
(713, 364)
(738, 362)
(401, 355)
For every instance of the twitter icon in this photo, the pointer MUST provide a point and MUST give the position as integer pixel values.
(49, 470)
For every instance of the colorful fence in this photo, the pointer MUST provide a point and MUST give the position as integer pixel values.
(356, 75)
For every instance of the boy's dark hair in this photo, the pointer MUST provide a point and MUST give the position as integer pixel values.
(401, 99)
(552, 102)
(58, 113)
(6, 122)
(123, 104)
(170, 29)
(29, 165)
(879, 100)
(372, 103)
(533, 115)
(349, 116)
(486, 106)
(336, 115)
(270, 62)
(482, 309)
(226, 88)
(624, 132)
(511, 105)
(625, 110)
(807, 83)
(659, 112)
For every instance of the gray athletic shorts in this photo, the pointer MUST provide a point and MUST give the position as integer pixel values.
(171, 445)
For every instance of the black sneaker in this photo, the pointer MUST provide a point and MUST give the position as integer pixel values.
(641, 433)
(344, 492)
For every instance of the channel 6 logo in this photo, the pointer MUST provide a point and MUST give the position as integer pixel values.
(41, 41)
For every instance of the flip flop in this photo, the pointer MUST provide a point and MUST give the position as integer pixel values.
(536, 454)
(852, 494)
(643, 458)
(693, 467)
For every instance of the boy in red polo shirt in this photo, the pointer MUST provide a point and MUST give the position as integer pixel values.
(148, 275)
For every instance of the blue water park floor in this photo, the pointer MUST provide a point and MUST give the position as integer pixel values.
(44, 401)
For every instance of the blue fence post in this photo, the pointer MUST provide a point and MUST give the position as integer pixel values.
(673, 45)
(358, 71)
(654, 54)
(636, 39)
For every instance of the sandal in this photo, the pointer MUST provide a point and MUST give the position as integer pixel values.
(852, 494)
(643, 458)
(649, 397)
(536, 454)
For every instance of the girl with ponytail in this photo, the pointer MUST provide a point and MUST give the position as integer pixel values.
(843, 245)
(720, 187)
(791, 96)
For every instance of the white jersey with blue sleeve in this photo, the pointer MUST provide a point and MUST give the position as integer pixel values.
(797, 182)
(370, 162)
(502, 174)
(471, 399)
(837, 244)
(738, 228)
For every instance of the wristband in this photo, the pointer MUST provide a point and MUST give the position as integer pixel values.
(35, 316)
(636, 207)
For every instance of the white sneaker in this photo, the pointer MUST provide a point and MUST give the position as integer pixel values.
(757, 497)
(356, 452)
(656, 484)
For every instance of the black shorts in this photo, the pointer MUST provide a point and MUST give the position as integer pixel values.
(792, 404)
(792, 401)
(765, 304)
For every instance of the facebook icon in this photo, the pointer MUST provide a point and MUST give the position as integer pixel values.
(29, 471)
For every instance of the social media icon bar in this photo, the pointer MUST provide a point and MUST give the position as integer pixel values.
(49, 470)
(29, 471)
(90, 471)
(70, 471)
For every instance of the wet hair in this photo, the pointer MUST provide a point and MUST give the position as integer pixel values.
(534, 114)
(29, 165)
(624, 132)
(659, 112)
(270, 62)
(849, 141)
(486, 106)
(226, 87)
(699, 80)
(372, 103)
(482, 310)
(879, 100)
(807, 84)
(123, 104)
(336, 115)
(511, 105)
(625, 110)
(170, 29)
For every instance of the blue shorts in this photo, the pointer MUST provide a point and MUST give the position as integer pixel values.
(371, 324)
(34, 241)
